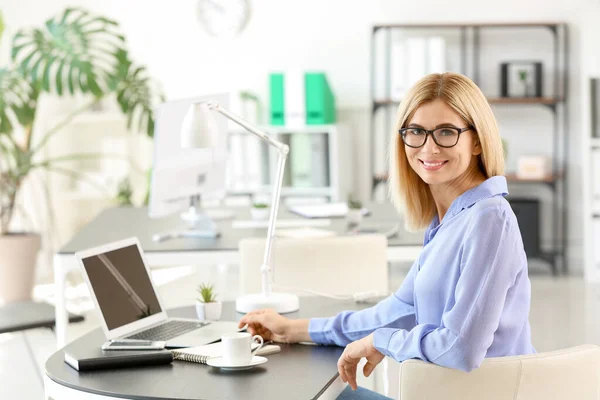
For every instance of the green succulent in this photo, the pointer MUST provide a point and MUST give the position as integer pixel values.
(207, 294)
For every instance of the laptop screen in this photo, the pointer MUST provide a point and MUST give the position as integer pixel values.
(122, 286)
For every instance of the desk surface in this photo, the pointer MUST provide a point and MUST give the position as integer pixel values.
(297, 372)
(122, 222)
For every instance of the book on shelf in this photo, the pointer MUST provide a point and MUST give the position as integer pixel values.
(416, 52)
(596, 174)
(294, 98)
(412, 58)
(595, 238)
(309, 161)
(248, 163)
(319, 160)
(300, 160)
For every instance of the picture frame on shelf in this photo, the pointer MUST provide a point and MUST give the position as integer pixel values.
(521, 79)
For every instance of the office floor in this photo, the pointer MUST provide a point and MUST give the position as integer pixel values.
(565, 312)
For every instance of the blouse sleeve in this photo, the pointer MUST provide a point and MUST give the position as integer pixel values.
(492, 257)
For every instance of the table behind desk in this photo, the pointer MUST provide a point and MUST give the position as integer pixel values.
(118, 223)
(297, 372)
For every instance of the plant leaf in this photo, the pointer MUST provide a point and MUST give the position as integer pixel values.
(74, 39)
(136, 94)
(1, 25)
(18, 100)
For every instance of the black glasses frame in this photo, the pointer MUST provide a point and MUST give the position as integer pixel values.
(430, 132)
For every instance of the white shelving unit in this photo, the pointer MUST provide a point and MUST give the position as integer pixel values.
(338, 167)
(591, 178)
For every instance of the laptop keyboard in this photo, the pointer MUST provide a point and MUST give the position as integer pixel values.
(168, 330)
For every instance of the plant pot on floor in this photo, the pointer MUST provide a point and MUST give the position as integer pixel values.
(209, 311)
(18, 257)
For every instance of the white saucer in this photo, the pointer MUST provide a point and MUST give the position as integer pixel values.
(220, 363)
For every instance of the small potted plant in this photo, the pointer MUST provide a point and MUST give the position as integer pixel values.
(354, 215)
(207, 306)
(259, 211)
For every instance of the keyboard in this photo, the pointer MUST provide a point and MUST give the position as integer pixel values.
(168, 330)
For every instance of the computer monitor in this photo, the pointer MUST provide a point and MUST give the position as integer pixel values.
(181, 175)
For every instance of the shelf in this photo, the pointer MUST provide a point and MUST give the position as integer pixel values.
(468, 55)
(525, 100)
(550, 101)
(382, 178)
(470, 25)
(595, 143)
(547, 179)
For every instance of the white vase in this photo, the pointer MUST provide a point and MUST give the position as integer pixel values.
(260, 214)
(209, 311)
(18, 256)
(354, 216)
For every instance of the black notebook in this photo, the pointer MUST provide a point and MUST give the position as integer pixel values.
(82, 357)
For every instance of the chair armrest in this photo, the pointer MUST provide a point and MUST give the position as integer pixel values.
(422, 380)
(568, 373)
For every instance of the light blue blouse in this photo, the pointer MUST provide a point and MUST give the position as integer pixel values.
(465, 298)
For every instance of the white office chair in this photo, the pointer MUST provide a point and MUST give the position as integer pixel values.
(335, 265)
(572, 373)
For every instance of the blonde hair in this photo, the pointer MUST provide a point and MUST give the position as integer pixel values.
(409, 193)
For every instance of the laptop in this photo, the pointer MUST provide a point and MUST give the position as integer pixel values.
(128, 302)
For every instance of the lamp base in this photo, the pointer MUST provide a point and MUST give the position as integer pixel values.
(282, 302)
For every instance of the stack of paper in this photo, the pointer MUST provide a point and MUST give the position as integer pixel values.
(328, 210)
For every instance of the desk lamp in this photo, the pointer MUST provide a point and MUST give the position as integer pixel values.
(199, 130)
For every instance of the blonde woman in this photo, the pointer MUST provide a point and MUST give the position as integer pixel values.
(467, 296)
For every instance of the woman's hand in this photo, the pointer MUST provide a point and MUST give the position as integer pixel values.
(348, 362)
(272, 326)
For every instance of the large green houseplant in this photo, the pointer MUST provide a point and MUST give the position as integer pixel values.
(74, 53)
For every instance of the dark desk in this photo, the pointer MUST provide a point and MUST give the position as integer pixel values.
(297, 372)
(119, 223)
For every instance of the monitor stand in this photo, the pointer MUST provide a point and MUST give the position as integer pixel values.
(200, 225)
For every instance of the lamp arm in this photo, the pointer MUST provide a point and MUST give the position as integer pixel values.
(283, 150)
(282, 147)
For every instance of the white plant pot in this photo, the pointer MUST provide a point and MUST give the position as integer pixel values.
(18, 256)
(354, 216)
(209, 311)
(260, 214)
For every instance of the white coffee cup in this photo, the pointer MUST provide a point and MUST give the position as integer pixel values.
(237, 348)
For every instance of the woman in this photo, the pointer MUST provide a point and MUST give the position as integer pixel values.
(467, 297)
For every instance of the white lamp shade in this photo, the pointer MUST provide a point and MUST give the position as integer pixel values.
(199, 129)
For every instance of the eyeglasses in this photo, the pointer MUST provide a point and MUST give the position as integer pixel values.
(443, 137)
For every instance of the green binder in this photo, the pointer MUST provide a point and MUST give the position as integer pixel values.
(320, 103)
(276, 86)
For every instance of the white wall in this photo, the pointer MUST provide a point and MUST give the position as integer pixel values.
(332, 36)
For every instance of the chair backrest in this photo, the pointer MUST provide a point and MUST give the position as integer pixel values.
(336, 265)
(572, 373)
